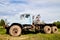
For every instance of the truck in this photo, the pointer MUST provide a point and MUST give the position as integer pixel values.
(28, 22)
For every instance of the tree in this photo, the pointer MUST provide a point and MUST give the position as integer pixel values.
(2, 22)
(57, 24)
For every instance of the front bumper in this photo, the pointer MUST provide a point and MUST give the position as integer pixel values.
(5, 26)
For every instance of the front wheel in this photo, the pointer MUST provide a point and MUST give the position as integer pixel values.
(15, 30)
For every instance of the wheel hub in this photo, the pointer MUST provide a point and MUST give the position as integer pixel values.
(48, 29)
(15, 31)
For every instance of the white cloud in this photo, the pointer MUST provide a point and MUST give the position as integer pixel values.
(4, 17)
(43, 1)
(48, 14)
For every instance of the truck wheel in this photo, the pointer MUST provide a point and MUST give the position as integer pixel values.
(15, 30)
(37, 28)
(47, 29)
(54, 29)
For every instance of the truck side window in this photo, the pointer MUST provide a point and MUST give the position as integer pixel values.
(27, 16)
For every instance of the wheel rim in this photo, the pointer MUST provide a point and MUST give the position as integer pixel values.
(55, 29)
(48, 29)
(15, 31)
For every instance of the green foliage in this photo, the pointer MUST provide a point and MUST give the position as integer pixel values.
(2, 30)
(57, 23)
(2, 22)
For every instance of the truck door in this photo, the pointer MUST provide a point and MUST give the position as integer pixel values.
(28, 19)
(25, 19)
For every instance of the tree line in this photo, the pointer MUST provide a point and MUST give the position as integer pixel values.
(57, 24)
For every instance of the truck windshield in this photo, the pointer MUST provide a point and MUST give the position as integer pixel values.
(27, 15)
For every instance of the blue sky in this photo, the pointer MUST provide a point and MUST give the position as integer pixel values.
(48, 9)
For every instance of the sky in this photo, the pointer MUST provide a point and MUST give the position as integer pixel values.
(49, 10)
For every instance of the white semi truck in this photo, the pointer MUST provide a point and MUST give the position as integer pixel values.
(28, 22)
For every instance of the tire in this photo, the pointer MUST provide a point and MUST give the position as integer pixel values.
(33, 28)
(7, 31)
(15, 30)
(47, 29)
(54, 29)
(37, 28)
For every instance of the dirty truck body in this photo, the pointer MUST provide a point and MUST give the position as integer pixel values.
(28, 22)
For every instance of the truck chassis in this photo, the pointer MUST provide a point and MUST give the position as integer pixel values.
(16, 29)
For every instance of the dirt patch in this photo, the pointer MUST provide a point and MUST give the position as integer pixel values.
(7, 37)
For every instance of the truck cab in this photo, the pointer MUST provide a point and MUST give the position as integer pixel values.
(22, 19)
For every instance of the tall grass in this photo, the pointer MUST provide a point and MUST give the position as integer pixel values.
(2, 30)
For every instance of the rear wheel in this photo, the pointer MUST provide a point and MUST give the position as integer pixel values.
(15, 30)
(54, 29)
(47, 29)
(37, 28)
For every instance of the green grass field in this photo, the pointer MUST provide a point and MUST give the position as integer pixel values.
(38, 36)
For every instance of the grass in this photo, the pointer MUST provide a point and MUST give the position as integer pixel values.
(59, 30)
(2, 30)
(38, 36)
